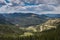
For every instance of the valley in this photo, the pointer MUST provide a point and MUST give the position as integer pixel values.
(29, 26)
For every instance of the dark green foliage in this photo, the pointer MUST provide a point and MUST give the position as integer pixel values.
(10, 32)
(52, 34)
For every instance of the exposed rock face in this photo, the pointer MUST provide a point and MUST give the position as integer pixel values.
(52, 23)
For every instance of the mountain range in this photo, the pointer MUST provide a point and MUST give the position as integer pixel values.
(29, 19)
(25, 19)
(22, 19)
(14, 26)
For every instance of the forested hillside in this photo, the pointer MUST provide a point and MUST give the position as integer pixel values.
(12, 32)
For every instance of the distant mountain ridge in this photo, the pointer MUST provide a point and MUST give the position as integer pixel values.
(53, 15)
(23, 19)
(26, 19)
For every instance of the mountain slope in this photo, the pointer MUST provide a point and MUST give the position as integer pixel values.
(50, 26)
(51, 34)
(3, 20)
(24, 19)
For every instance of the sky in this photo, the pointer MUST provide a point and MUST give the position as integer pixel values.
(30, 6)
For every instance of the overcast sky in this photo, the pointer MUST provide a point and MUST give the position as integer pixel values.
(33, 6)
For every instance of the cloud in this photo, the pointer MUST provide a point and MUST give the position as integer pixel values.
(30, 2)
(48, 6)
(33, 8)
